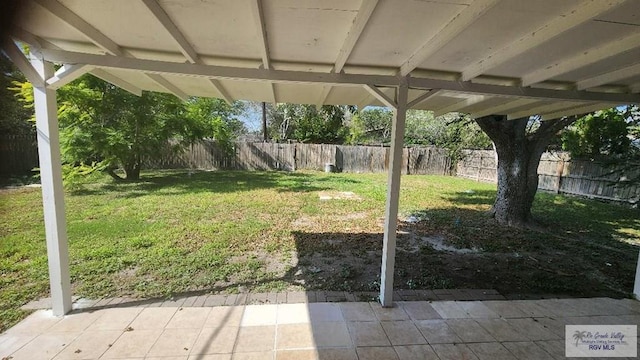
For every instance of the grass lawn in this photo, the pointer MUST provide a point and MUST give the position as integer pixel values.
(176, 232)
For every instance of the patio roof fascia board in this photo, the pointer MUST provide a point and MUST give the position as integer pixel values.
(582, 59)
(442, 37)
(535, 37)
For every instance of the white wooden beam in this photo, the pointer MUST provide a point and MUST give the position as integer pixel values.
(537, 110)
(110, 78)
(52, 190)
(326, 90)
(582, 59)
(577, 110)
(285, 76)
(364, 102)
(67, 73)
(258, 16)
(78, 23)
(19, 59)
(393, 198)
(183, 44)
(443, 36)
(609, 77)
(34, 41)
(572, 18)
(504, 108)
(167, 85)
(427, 95)
(471, 100)
(382, 97)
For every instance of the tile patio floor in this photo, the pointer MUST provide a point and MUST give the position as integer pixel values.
(491, 329)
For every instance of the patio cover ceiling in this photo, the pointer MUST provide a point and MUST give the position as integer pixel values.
(514, 57)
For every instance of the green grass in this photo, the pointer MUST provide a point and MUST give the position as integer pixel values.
(259, 231)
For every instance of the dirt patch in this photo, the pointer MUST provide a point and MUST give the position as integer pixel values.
(338, 195)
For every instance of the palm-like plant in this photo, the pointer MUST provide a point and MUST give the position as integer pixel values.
(579, 335)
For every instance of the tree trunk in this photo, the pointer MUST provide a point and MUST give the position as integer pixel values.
(132, 171)
(519, 152)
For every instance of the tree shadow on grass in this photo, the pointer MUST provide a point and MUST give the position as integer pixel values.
(193, 182)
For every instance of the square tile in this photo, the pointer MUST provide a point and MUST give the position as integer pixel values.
(45, 346)
(376, 353)
(13, 343)
(331, 334)
(174, 342)
(402, 333)
(259, 315)
(477, 310)
(153, 318)
(420, 310)
(415, 352)
(437, 332)
(393, 313)
(357, 311)
(491, 351)
(218, 340)
(189, 318)
(294, 336)
(501, 330)
(531, 308)
(115, 319)
(449, 310)
(35, 324)
(469, 330)
(527, 350)
(292, 313)
(224, 316)
(368, 334)
(555, 348)
(256, 339)
(89, 345)
(505, 309)
(532, 328)
(453, 352)
(208, 357)
(133, 344)
(74, 322)
(324, 312)
(318, 354)
(254, 355)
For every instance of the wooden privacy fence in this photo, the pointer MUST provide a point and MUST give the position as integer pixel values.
(207, 155)
(558, 173)
(18, 154)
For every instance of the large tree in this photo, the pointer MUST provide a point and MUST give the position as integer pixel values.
(308, 124)
(519, 145)
(14, 115)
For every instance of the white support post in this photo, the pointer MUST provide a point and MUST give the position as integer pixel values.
(393, 197)
(636, 287)
(52, 191)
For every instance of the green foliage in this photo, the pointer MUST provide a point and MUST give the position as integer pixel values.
(370, 126)
(307, 124)
(14, 116)
(599, 135)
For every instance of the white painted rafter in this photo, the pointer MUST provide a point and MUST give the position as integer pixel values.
(542, 109)
(99, 39)
(453, 28)
(503, 108)
(471, 100)
(576, 110)
(609, 77)
(381, 96)
(427, 95)
(183, 44)
(67, 73)
(110, 78)
(19, 59)
(582, 59)
(563, 22)
(258, 16)
(285, 76)
(359, 23)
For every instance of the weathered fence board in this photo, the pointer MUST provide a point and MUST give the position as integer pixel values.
(18, 154)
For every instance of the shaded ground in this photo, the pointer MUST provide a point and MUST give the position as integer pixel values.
(177, 232)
